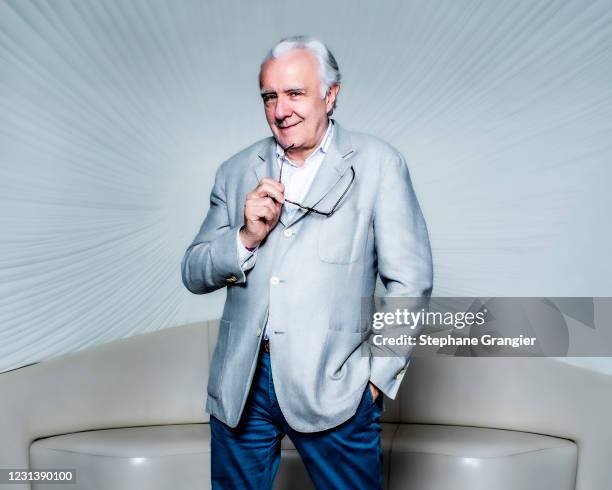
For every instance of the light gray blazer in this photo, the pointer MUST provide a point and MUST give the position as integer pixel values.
(310, 280)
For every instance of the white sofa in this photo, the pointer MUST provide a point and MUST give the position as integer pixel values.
(129, 415)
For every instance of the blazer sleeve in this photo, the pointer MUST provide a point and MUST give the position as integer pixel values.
(212, 260)
(404, 264)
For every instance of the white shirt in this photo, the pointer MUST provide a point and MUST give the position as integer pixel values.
(297, 180)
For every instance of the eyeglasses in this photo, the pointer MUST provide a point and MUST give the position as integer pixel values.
(313, 209)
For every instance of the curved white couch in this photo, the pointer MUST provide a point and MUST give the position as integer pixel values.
(458, 423)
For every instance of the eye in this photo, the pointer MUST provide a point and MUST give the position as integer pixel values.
(267, 98)
(294, 93)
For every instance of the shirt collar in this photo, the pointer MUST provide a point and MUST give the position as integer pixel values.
(323, 146)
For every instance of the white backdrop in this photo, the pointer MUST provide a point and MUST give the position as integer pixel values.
(114, 116)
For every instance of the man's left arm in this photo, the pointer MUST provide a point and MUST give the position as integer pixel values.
(404, 262)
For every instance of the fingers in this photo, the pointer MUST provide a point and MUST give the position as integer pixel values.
(262, 207)
(374, 391)
(271, 188)
(264, 212)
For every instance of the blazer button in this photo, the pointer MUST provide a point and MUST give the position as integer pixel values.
(274, 281)
(231, 279)
(288, 232)
(258, 333)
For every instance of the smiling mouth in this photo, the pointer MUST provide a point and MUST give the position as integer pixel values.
(283, 128)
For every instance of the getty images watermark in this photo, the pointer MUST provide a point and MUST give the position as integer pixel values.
(485, 327)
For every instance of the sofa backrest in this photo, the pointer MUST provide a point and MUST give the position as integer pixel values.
(149, 379)
(160, 378)
(540, 395)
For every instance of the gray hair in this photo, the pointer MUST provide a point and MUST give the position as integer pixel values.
(329, 72)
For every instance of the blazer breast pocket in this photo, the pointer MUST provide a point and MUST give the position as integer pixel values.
(341, 236)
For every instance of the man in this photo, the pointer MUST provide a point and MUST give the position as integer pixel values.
(298, 227)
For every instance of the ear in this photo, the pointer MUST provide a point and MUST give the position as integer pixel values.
(330, 97)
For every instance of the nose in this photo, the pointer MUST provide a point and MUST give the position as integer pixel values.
(283, 109)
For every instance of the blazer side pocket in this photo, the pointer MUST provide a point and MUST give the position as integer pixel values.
(217, 364)
(341, 236)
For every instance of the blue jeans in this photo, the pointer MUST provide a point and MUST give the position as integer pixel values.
(348, 456)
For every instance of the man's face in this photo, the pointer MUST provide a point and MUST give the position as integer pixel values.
(291, 92)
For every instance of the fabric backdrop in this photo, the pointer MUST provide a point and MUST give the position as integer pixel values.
(115, 114)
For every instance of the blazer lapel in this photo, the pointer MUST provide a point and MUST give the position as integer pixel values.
(334, 166)
(267, 165)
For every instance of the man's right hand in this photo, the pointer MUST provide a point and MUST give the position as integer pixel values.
(262, 211)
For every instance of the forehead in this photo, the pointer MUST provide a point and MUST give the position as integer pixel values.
(295, 68)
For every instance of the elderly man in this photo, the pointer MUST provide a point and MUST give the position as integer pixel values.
(299, 226)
